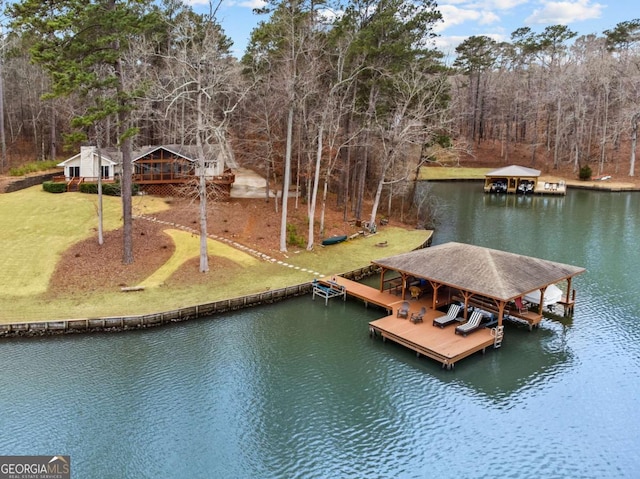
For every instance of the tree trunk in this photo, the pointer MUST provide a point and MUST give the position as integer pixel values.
(52, 134)
(124, 119)
(286, 181)
(3, 141)
(314, 193)
(603, 141)
(202, 181)
(325, 191)
(376, 203)
(100, 210)
(556, 160)
(204, 253)
(634, 143)
(127, 216)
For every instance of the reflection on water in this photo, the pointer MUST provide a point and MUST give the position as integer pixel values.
(298, 389)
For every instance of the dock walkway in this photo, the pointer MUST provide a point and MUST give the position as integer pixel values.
(366, 293)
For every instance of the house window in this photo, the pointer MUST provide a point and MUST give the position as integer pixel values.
(104, 171)
(74, 171)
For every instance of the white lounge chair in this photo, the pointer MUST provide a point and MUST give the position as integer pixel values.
(448, 318)
(471, 325)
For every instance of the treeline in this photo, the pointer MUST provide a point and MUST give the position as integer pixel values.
(569, 100)
(353, 104)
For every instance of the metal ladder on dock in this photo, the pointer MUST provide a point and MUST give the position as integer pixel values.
(498, 334)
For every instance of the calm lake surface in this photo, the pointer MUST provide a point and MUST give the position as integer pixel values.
(299, 390)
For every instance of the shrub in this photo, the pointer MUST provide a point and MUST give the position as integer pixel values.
(585, 173)
(293, 238)
(54, 187)
(108, 189)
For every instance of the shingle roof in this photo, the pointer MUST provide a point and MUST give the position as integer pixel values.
(488, 272)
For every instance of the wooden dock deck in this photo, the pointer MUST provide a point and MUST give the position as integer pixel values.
(366, 293)
(441, 344)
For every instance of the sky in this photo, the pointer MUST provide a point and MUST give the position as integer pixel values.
(464, 18)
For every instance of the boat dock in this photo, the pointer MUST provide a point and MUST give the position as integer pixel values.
(365, 293)
(440, 344)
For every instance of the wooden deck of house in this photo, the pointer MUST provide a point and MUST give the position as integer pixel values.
(171, 177)
(441, 344)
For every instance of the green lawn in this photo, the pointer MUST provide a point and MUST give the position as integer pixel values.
(36, 227)
(453, 173)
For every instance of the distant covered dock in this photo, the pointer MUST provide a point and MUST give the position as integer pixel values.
(519, 179)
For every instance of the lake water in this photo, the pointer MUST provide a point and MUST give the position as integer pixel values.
(299, 390)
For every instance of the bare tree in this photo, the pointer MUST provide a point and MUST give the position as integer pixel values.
(414, 115)
(634, 143)
(200, 79)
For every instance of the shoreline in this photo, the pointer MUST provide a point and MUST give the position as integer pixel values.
(116, 324)
(606, 185)
(122, 323)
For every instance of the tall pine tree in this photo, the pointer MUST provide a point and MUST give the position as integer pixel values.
(82, 45)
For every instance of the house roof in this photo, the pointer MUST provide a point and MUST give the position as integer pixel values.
(109, 156)
(188, 152)
(492, 273)
(513, 170)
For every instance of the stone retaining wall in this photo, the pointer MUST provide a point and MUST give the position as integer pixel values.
(127, 323)
(28, 181)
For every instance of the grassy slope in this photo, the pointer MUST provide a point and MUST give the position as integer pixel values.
(33, 240)
(36, 227)
(452, 173)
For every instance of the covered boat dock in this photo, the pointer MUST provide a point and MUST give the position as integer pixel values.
(519, 179)
(483, 279)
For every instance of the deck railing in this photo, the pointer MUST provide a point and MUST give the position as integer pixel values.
(84, 179)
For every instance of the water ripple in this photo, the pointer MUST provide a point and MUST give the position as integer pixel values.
(298, 389)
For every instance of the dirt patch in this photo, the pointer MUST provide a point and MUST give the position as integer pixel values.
(254, 222)
(89, 267)
(185, 274)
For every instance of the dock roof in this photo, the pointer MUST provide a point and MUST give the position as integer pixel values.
(489, 272)
(514, 171)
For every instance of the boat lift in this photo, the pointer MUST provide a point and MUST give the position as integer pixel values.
(329, 290)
